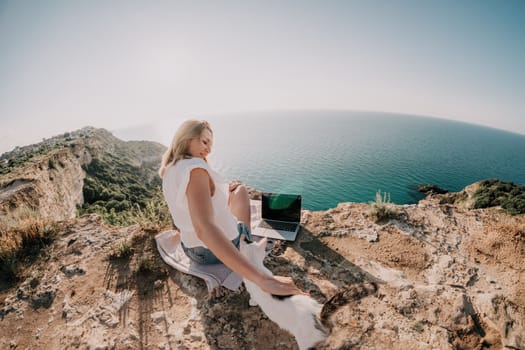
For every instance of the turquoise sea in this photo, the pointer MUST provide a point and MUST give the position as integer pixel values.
(331, 157)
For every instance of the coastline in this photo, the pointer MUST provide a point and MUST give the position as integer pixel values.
(449, 274)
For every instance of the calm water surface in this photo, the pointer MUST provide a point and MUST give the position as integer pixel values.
(333, 157)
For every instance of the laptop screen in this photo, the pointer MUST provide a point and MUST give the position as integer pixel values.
(282, 207)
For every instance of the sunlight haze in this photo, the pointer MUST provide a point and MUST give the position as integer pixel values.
(123, 64)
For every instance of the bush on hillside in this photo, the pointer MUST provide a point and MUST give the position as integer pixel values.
(124, 194)
(155, 215)
(494, 192)
(51, 164)
(123, 250)
(12, 160)
(515, 203)
(382, 209)
(23, 234)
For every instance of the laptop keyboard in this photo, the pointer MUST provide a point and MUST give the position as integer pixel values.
(276, 225)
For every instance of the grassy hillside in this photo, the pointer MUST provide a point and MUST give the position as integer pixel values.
(121, 184)
(122, 193)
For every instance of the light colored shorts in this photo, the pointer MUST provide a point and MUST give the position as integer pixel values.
(204, 256)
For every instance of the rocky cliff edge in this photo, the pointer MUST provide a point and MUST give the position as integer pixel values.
(449, 277)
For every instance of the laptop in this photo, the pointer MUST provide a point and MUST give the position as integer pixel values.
(280, 216)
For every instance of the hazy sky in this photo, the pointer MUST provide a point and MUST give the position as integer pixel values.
(67, 64)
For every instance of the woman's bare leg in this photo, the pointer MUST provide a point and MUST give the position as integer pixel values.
(239, 203)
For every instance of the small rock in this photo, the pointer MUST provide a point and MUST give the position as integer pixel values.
(22, 294)
(67, 310)
(431, 189)
(407, 303)
(43, 299)
(107, 318)
(159, 316)
(340, 233)
(4, 311)
(71, 271)
(158, 284)
(445, 261)
(368, 235)
(195, 338)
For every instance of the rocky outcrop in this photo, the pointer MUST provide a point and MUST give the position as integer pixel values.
(51, 180)
(52, 185)
(449, 278)
(431, 189)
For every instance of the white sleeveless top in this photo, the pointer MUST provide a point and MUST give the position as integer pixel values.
(174, 184)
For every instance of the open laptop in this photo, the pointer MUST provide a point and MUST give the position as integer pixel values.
(280, 216)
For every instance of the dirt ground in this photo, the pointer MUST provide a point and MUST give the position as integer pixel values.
(449, 278)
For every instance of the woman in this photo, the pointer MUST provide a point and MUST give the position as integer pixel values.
(210, 216)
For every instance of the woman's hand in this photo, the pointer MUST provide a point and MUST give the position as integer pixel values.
(279, 285)
(233, 186)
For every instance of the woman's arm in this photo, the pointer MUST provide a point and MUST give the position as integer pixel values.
(201, 212)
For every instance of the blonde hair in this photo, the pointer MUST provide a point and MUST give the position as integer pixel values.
(181, 140)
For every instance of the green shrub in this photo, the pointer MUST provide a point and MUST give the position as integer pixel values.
(154, 216)
(118, 218)
(515, 204)
(51, 164)
(419, 326)
(122, 251)
(494, 192)
(145, 263)
(122, 193)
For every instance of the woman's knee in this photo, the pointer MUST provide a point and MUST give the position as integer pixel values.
(240, 204)
(241, 190)
(239, 193)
